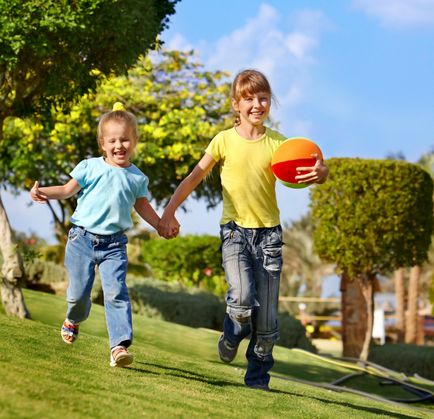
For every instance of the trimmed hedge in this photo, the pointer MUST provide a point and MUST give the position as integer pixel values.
(409, 359)
(373, 216)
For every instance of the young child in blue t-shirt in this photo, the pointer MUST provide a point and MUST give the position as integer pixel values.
(108, 187)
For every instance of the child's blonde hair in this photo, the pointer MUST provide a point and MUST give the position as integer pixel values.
(249, 82)
(119, 113)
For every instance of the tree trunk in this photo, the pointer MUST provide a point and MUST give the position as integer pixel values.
(367, 286)
(413, 297)
(354, 317)
(400, 304)
(12, 272)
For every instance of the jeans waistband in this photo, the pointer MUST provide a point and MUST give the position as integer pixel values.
(100, 236)
(233, 225)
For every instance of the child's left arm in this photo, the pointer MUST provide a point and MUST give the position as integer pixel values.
(145, 210)
(315, 174)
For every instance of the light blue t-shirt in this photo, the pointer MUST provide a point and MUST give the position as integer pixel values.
(107, 195)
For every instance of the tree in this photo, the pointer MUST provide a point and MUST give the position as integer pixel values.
(427, 276)
(419, 279)
(372, 217)
(179, 106)
(52, 52)
(400, 303)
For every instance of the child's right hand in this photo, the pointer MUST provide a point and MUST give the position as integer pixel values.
(168, 227)
(37, 195)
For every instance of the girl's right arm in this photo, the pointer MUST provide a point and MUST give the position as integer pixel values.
(45, 193)
(168, 221)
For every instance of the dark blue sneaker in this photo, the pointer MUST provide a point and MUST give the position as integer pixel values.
(226, 351)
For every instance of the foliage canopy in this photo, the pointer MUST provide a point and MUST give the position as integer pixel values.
(54, 51)
(373, 216)
(179, 107)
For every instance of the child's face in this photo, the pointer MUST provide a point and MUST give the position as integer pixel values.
(118, 143)
(253, 109)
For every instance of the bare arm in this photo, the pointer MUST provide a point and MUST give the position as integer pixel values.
(145, 210)
(45, 193)
(168, 221)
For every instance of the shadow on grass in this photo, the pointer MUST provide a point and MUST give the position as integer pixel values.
(310, 371)
(350, 405)
(181, 373)
(189, 375)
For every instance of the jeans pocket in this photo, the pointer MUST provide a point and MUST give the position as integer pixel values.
(272, 250)
(272, 259)
(232, 239)
(73, 234)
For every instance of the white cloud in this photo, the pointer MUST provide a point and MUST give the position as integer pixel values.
(299, 44)
(179, 43)
(261, 41)
(399, 13)
(284, 52)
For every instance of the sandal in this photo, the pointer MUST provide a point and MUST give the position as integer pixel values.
(69, 332)
(120, 357)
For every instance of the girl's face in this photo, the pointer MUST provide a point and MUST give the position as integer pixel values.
(118, 143)
(253, 109)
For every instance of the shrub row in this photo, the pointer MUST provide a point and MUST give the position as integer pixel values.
(196, 308)
(39, 271)
(190, 260)
(409, 359)
(175, 303)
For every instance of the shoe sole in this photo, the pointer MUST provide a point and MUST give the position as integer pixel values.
(226, 360)
(122, 361)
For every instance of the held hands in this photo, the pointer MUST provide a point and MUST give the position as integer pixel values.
(314, 174)
(37, 195)
(168, 227)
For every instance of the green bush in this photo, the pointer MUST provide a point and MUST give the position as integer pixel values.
(53, 253)
(195, 308)
(190, 260)
(39, 271)
(293, 334)
(176, 303)
(409, 359)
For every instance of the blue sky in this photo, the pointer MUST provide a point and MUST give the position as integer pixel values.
(355, 76)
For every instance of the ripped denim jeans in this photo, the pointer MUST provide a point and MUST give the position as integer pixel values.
(252, 260)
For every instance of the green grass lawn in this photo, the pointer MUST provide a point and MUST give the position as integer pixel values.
(176, 373)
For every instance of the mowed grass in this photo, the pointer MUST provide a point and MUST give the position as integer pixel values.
(176, 373)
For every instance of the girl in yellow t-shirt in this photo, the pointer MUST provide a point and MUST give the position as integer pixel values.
(250, 226)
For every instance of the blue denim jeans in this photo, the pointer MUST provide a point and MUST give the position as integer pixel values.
(252, 260)
(84, 252)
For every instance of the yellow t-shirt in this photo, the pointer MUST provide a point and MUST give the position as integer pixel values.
(249, 194)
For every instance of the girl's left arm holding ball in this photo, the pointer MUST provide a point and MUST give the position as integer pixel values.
(43, 194)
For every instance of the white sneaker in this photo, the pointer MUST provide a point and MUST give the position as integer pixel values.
(120, 357)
